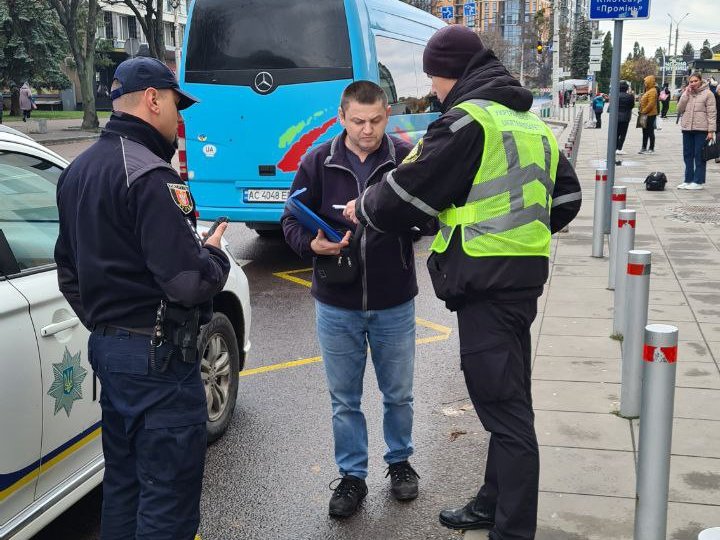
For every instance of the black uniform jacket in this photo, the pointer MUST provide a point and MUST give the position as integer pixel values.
(387, 260)
(127, 231)
(442, 175)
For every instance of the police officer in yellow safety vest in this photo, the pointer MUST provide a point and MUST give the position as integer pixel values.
(491, 172)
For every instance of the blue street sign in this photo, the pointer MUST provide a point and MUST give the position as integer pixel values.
(469, 9)
(590, 79)
(619, 9)
(447, 12)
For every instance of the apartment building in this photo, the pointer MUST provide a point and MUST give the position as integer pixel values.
(117, 24)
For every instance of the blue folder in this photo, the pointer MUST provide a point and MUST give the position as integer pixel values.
(310, 220)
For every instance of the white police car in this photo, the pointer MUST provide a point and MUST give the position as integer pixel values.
(50, 454)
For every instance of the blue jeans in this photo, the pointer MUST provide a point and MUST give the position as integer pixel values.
(344, 336)
(693, 142)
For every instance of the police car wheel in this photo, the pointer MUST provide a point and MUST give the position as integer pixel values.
(219, 367)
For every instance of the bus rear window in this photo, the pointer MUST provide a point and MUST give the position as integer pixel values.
(230, 41)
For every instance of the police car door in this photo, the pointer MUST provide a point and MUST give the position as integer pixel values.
(20, 399)
(70, 408)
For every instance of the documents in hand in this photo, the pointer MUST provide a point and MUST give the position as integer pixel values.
(310, 219)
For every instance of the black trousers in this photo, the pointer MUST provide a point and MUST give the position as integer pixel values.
(648, 134)
(153, 437)
(496, 362)
(622, 133)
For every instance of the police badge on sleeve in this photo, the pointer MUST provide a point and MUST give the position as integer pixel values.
(181, 197)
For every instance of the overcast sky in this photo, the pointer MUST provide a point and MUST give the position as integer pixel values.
(703, 22)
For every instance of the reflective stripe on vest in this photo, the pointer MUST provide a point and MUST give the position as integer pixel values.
(507, 212)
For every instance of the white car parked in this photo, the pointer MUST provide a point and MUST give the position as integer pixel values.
(50, 454)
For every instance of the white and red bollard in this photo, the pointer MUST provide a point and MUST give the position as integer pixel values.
(637, 293)
(598, 240)
(625, 242)
(619, 198)
(658, 400)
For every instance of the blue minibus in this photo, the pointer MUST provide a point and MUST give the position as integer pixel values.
(269, 74)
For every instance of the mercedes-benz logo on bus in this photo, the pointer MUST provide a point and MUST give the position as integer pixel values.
(264, 82)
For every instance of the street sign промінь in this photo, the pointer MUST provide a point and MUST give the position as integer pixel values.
(619, 9)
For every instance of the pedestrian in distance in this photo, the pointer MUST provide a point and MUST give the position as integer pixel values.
(664, 100)
(626, 103)
(375, 309)
(136, 273)
(648, 110)
(698, 123)
(26, 101)
(487, 168)
(573, 96)
(598, 105)
(715, 89)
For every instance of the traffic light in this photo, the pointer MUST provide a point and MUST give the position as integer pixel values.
(539, 48)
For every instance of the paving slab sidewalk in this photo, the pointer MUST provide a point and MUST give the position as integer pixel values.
(588, 454)
(60, 131)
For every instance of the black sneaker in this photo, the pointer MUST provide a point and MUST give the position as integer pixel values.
(347, 496)
(403, 481)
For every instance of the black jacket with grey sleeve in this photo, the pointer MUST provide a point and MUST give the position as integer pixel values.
(127, 231)
(441, 176)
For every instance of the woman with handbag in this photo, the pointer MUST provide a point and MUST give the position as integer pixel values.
(26, 101)
(648, 110)
(698, 124)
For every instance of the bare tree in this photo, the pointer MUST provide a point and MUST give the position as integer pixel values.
(79, 19)
(149, 14)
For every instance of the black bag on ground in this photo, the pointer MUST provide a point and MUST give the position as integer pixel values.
(655, 181)
(340, 269)
(711, 150)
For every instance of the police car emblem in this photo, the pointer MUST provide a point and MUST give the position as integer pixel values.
(181, 197)
(414, 153)
(67, 386)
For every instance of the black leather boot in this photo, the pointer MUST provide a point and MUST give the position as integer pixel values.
(473, 515)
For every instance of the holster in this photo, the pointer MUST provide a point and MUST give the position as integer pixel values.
(181, 328)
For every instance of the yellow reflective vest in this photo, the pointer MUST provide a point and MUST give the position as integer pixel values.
(507, 212)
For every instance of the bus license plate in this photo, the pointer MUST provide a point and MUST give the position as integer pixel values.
(266, 195)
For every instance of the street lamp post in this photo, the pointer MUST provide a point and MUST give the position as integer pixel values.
(176, 6)
(674, 62)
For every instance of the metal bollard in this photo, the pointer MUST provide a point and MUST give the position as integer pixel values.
(619, 196)
(625, 242)
(658, 398)
(598, 213)
(637, 293)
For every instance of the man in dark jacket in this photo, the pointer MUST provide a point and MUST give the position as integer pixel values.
(626, 103)
(134, 269)
(490, 171)
(377, 308)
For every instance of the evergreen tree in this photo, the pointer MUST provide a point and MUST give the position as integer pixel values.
(659, 55)
(31, 46)
(605, 64)
(580, 55)
(636, 51)
(642, 52)
(688, 52)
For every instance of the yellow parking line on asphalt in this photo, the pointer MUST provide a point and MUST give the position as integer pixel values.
(282, 365)
(290, 277)
(444, 333)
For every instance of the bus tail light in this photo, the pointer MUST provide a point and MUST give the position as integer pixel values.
(182, 151)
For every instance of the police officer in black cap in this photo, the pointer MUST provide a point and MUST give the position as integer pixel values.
(135, 271)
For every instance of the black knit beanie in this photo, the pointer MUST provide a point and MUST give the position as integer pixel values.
(449, 51)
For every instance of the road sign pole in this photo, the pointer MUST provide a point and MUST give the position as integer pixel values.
(612, 124)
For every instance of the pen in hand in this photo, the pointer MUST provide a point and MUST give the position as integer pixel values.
(338, 206)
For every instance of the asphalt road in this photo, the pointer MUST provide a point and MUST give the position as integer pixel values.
(268, 477)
